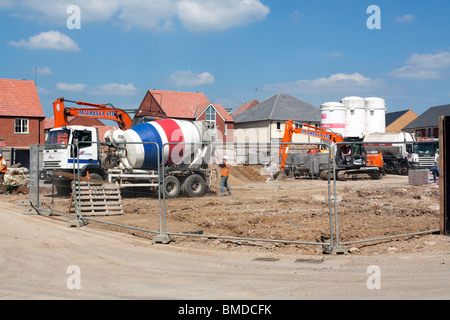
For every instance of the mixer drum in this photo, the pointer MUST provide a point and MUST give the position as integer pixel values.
(187, 137)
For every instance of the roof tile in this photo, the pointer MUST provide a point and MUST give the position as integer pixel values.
(19, 98)
(179, 104)
(245, 107)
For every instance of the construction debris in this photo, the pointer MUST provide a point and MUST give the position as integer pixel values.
(16, 180)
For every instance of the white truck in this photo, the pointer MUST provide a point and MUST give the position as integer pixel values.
(61, 160)
(402, 151)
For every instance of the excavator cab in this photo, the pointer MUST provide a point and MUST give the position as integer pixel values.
(351, 155)
(351, 158)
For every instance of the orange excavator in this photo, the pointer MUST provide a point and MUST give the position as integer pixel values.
(351, 158)
(98, 111)
(62, 151)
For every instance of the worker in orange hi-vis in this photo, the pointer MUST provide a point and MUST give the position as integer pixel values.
(224, 174)
(3, 168)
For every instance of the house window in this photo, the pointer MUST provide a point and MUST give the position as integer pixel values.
(21, 125)
(211, 115)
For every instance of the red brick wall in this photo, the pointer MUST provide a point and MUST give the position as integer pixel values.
(35, 132)
(427, 133)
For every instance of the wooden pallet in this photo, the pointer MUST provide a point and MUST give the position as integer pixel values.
(96, 199)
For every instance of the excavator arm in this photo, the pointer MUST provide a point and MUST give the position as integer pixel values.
(289, 131)
(372, 160)
(99, 111)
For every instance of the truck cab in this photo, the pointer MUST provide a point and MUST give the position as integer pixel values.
(62, 157)
(425, 152)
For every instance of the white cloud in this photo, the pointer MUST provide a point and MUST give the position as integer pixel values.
(430, 61)
(50, 40)
(189, 79)
(148, 15)
(56, 11)
(6, 4)
(335, 83)
(155, 15)
(406, 18)
(43, 71)
(414, 72)
(296, 17)
(42, 90)
(116, 89)
(336, 54)
(423, 66)
(213, 15)
(76, 87)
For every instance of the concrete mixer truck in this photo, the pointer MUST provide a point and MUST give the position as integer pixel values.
(130, 156)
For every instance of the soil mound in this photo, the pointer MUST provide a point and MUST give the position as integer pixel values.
(241, 175)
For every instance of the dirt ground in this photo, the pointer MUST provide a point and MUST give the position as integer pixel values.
(287, 210)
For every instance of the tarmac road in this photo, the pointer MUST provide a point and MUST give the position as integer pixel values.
(42, 258)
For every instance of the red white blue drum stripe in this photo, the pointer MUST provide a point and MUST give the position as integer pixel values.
(161, 132)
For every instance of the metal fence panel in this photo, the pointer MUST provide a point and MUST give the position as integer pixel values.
(372, 209)
(303, 209)
(263, 205)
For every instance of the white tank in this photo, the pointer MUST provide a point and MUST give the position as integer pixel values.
(333, 117)
(375, 115)
(385, 143)
(355, 123)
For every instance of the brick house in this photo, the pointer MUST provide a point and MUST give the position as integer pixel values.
(427, 124)
(21, 120)
(189, 106)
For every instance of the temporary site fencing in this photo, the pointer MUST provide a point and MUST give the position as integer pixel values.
(265, 207)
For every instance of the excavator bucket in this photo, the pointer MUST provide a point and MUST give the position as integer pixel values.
(280, 175)
(273, 172)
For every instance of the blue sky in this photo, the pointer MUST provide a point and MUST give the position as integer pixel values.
(233, 51)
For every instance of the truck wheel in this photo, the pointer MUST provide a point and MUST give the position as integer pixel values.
(171, 187)
(390, 168)
(404, 169)
(194, 186)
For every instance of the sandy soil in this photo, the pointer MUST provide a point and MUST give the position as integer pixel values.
(42, 258)
(288, 210)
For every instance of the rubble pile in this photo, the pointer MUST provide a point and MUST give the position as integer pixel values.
(16, 180)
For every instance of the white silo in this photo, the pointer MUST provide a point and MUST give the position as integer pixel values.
(355, 123)
(333, 117)
(375, 115)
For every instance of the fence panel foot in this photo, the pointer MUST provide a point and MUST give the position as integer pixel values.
(335, 249)
(162, 238)
(77, 223)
